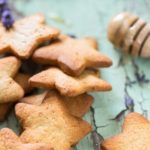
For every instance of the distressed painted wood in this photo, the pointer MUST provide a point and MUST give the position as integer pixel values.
(130, 77)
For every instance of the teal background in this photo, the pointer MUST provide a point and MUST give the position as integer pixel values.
(129, 76)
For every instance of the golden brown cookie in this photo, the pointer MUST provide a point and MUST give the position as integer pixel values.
(135, 135)
(9, 66)
(10, 141)
(91, 41)
(54, 78)
(36, 99)
(73, 56)
(22, 80)
(77, 106)
(26, 35)
(51, 123)
(10, 90)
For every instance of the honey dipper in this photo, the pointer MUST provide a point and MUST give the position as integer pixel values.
(130, 34)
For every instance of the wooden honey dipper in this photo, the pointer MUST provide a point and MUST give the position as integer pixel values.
(130, 33)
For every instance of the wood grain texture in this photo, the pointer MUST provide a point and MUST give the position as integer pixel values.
(130, 77)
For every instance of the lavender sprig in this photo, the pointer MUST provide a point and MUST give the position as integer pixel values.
(3, 2)
(5, 14)
(129, 103)
(7, 19)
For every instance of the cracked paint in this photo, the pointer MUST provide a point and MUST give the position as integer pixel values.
(95, 136)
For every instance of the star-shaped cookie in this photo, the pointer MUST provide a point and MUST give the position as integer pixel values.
(54, 78)
(22, 80)
(10, 141)
(135, 135)
(71, 55)
(51, 123)
(9, 66)
(26, 35)
(10, 90)
(77, 106)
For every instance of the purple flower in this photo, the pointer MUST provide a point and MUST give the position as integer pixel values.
(3, 2)
(129, 102)
(7, 18)
(5, 14)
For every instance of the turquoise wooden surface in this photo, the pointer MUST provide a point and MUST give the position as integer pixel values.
(130, 77)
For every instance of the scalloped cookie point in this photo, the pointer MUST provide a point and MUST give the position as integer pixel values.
(11, 91)
(135, 135)
(22, 80)
(9, 66)
(26, 35)
(10, 141)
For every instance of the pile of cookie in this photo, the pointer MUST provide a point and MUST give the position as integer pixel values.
(47, 80)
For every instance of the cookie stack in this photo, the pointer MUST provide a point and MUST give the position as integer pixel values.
(52, 118)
